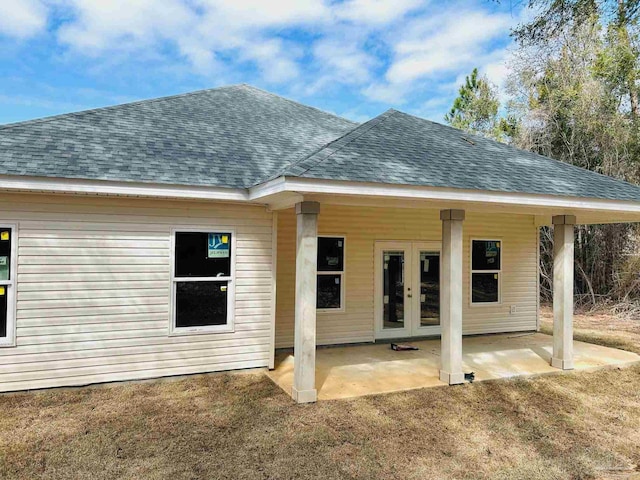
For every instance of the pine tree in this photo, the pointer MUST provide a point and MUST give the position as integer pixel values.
(475, 110)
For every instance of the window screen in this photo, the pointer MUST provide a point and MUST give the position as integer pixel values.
(203, 280)
(484, 288)
(330, 273)
(3, 312)
(7, 293)
(329, 291)
(201, 303)
(486, 265)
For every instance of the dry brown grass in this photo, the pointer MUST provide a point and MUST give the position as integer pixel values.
(241, 426)
(601, 327)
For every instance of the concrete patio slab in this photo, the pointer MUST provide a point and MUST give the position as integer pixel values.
(352, 371)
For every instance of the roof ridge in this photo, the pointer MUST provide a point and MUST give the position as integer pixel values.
(341, 142)
(300, 104)
(119, 105)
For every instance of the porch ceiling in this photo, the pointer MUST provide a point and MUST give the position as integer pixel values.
(344, 372)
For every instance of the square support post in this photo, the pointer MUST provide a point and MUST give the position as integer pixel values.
(304, 374)
(563, 248)
(451, 297)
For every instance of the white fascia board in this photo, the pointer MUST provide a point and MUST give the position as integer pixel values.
(331, 187)
(128, 189)
(271, 187)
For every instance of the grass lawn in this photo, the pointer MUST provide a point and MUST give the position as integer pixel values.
(241, 426)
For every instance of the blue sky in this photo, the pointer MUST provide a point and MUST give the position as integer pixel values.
(355, 58)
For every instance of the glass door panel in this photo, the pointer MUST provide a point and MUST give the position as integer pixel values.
(393, 282)
(429, 274)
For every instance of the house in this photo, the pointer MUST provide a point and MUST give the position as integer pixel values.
(200, 232)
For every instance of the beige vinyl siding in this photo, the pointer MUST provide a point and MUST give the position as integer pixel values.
(93, 290)
(362, 226)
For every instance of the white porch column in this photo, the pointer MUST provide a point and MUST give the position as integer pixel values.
(451, 297)
(563, 226)
(304, 370)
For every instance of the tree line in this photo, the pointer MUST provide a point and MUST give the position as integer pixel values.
(573, 95)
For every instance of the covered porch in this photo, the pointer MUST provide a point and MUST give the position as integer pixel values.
(353, 371)
(372, 229)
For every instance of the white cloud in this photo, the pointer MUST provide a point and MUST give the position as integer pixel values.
(22, 18)
(98, 26)
(382, 49)
(375, 12)
(385, 93)
(248, 14)
(445, 43)
(347, 61)
(430, 49)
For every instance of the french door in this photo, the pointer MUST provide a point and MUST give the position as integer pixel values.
(407, 289)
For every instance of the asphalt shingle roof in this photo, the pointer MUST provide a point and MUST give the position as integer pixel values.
(240, 136)
(230, 137)
(397, 148)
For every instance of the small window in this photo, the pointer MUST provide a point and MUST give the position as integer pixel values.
(486, 269)
(202, 282)
(7, 285)
(330, 284)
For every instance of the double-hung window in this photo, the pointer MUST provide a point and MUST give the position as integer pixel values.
(7, 285)
(330, 282)
(202, 281)
(486, 271)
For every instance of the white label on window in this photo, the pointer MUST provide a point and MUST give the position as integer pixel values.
(423, 298)
(426, 265)
(340, 243)
(337, 279)
(333, 261)
(386, 266)
(385, 299)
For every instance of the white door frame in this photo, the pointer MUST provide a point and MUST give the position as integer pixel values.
(380, 332)
(417, 329)
(411, 288)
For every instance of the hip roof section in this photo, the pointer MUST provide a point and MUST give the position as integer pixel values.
(397, 148)
(230, 137)
(239, 136)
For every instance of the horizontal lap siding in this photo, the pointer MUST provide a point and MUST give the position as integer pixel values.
(93, 291)
(364, 226)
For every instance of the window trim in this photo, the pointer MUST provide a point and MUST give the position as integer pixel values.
(229, 327)
(472, 271)
(342, 274)
(11, 284)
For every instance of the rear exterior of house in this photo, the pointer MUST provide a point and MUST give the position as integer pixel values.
(200, 232)
(94, 292)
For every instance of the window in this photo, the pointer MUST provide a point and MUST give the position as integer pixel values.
(330, 284)
(486, 268)
(203, 281)
(7, 284)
